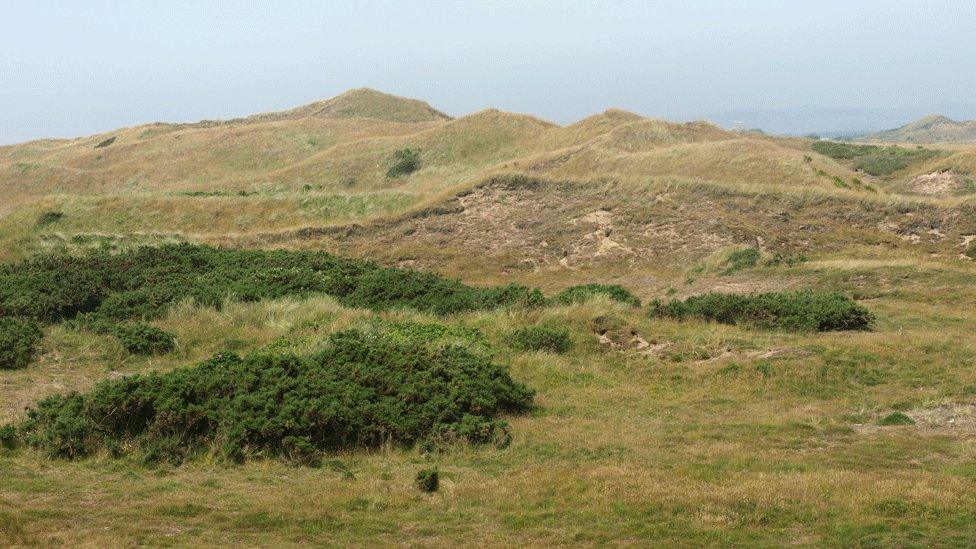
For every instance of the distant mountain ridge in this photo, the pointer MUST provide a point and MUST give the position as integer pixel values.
(931, 129)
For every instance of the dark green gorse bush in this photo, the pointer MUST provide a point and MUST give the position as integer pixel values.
(19, 340)
(405, 162)
(793, 311)
(143, 339)
(361, 391)
(427, 480)
(142, 283)
(541, 338)
(582, 292)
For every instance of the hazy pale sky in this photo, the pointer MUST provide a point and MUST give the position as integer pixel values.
(75, 68)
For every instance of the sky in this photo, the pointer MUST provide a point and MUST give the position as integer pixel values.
(78, 68)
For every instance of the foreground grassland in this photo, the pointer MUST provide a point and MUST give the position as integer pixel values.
(680, 432)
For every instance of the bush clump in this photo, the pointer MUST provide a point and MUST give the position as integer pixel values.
(106, 142)
(361, 390)
(793, 311)
(582, 292)
(18, 342)
(428, 480)
(143, 339)
(405, 162)
(541, 338)
(142, 283)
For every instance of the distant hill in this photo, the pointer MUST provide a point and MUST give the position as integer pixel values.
(327, 166)
(931, 129)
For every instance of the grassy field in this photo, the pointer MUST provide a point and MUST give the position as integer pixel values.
(647, 431)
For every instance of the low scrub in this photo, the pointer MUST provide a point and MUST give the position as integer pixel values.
(577, 294)
(142, 283)
(360, 391)
(793, 311)
(143, 339)
(873, 159)
(541, 338)
(427, 480)
(18, 342)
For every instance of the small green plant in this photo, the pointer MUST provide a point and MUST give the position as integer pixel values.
(541, 338)
(576, 294)
(49, 217)
(405, 162)
(18, 342)
(896, 418)
(427, 480)
(802, 311)
(143, 339)
(741, 259)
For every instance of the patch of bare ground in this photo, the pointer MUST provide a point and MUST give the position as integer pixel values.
(955, 419)
(936, 184)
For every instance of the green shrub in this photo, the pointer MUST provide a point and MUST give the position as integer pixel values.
(896, 418)
(8, 437)
(405, 162)
(105, 143)
(143, 339)
(18, 342)
(49, 217)
(142, 283)
(427, 480)
(794, 311)
(741, 259)
(576, 294)
(360, 391)
(540, 338)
